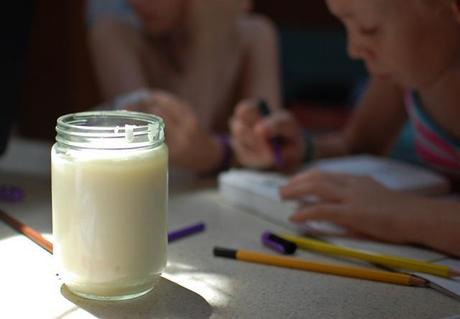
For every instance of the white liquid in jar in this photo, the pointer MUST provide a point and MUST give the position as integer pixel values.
(109, 219)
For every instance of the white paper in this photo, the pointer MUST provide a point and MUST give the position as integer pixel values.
(444, 285)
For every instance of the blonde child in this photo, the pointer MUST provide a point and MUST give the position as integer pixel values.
(193, 60)
(412, 51)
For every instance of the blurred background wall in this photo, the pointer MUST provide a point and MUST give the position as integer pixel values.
(59, 77)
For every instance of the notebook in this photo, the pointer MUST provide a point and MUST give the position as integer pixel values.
(258, 192)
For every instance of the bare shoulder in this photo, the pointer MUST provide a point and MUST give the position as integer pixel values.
(110, 31)
(257, 29)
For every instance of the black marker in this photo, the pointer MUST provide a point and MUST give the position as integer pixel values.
(276, 141)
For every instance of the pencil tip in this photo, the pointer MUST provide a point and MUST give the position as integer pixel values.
(416, 281)
(454, 272)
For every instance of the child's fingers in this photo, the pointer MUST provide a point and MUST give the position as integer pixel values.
(247, 112)
(250, 149)
(324, 212)
(279, 124)
(244, 135)
(316, 176)
(323, 189)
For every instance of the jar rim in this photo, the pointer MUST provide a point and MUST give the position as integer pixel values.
(117, 129)
(114, 114)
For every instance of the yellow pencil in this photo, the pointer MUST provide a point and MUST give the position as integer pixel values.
(347, 271)
(387, 260)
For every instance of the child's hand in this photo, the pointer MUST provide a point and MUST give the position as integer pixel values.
(252, 135)
(359, 203)
(190, 146)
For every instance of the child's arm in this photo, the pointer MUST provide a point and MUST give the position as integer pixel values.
(115, 48)
(377, 119)
(372, 129)
(210, 55)
(260, 76)
(367, 208)
(230, 54)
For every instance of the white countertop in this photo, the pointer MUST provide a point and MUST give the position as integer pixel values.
(195, 284)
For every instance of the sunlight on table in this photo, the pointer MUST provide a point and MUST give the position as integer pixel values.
(27, 271)
(212, 287)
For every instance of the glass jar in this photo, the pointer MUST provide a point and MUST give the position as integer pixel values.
(109, 198)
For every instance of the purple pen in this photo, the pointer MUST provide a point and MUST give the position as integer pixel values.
(184, 232)
(11, 194)
(278, 244)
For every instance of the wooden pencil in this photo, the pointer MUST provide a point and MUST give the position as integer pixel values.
(27, 231)
(387, 260)
(327, 268)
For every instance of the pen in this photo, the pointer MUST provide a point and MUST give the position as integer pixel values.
(387, 260)
(276, 141)
(38, 238)
(339, 270)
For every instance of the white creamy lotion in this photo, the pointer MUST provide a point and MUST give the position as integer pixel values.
(109, 197)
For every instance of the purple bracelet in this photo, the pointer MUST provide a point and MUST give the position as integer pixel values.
(227, 151)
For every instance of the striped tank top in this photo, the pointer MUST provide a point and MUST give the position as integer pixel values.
(435, 147)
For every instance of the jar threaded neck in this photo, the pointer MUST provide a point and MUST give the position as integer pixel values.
(110, 130)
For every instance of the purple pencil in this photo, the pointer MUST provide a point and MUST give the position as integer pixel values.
(186, 231)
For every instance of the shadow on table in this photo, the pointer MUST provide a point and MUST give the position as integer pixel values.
(166, 300)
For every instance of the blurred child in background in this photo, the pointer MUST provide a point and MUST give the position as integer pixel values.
(190, 62)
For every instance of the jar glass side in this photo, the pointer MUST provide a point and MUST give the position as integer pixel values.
(109, 217)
